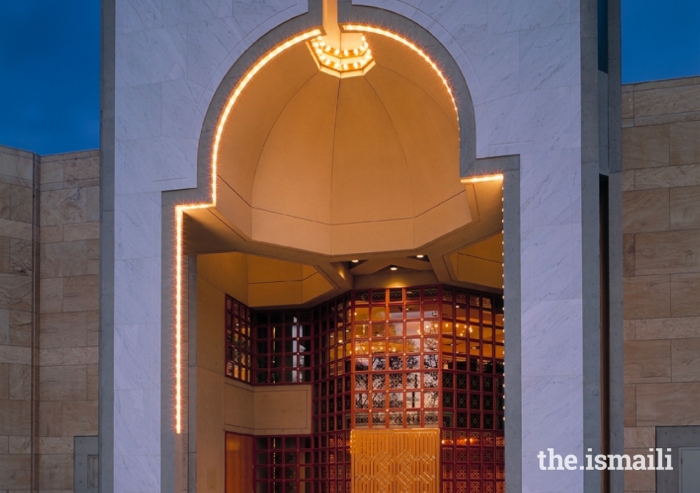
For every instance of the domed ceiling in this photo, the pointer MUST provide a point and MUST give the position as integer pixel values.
(343, 165)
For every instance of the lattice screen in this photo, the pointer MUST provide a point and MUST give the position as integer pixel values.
(395, 461)
(422, 359)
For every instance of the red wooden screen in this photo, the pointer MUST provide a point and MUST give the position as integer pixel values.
(429, 356)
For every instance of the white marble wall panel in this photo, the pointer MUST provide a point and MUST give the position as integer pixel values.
(179, 115)
(507, 48)
(139, 111)
(134, 473)
(521, 15)
(540, 192)
(552, 416)
(136, 372)
(137, 295)
(533, 121)
(137, 458)
(170, 56)
(142, 440)
(549, 265)
(151, 55)
(135, 236)
(499, 63)
(137, 15)
(255, 13)
(176, 12)
(210, 40)
(251, 29)
(554, 355)
(521, 61)
(158, 164)
(545, 51)
(552, 310)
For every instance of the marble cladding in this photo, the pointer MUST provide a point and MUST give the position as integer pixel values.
(51, 250)
(169, 59)
(661, 221)
(521, 62)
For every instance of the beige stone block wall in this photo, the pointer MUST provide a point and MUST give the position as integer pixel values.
(17, 272)
(223, 404)
(68, 311)
(661, 227)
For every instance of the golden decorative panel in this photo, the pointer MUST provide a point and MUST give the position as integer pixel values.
(395, 461)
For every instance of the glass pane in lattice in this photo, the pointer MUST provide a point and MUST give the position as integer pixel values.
(378, 419)
(412, 418)
(379, 382)
(396, 420)
(396, 400)
(413, 399)
(379, 401)
(396, 380)
(430, 399)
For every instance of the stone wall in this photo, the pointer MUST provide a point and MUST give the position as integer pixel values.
(17, 307)
(222, 404)
(68, 307)
(49, 229)
(661, 226)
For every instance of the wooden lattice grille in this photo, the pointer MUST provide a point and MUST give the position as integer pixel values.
(395, 461)
(422, 358)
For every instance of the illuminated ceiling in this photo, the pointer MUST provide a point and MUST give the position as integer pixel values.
(340, 165)
(319, 169)
(470, 256)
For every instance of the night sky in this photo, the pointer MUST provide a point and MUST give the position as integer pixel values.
(50, 57)
(50, 75)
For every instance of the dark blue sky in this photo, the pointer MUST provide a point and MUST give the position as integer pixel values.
(660, 39)
(50, 76)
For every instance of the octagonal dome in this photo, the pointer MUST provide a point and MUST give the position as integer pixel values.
(340, 166)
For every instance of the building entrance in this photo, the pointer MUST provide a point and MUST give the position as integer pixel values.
(407, 387)
(364, 273)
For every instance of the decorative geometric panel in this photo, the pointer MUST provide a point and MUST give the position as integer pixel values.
(395, 461)
(380, 361)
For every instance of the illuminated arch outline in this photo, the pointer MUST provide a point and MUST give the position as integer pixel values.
(180, 209)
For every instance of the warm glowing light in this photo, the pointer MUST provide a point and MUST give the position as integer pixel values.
(405, 42)
(354, 261)
(393, 267)
(182, 208)
(239, 89)
(420, 256)
(479, 179)
(179, 213)
(342, 62)
(356, 59)
(465, 441)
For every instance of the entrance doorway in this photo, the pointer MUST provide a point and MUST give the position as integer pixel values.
(362, 276)
(407, 391)
(239, 458)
